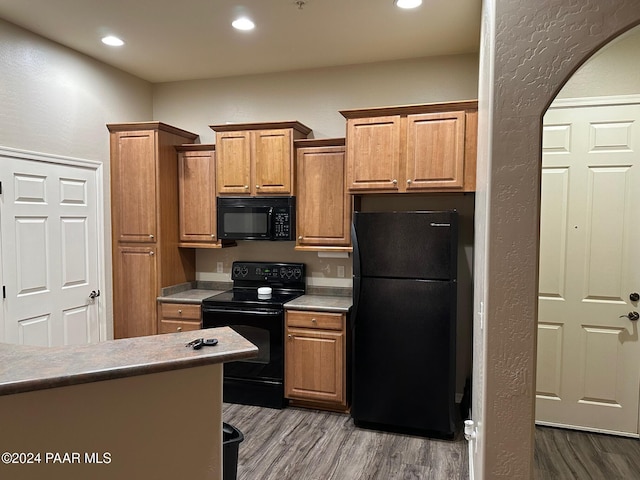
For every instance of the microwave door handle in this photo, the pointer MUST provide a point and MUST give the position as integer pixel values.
(270, 222)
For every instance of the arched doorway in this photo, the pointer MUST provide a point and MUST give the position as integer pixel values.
(588, 355)
(528, 52)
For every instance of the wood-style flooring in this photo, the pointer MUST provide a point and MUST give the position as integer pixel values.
(301, 444)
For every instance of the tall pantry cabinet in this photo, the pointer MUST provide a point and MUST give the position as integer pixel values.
(144, 222)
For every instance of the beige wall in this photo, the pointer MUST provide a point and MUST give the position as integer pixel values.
(613, 70)
(54, 100)
(314, 97)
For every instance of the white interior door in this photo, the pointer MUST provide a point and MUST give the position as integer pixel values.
(588, 370)
(50, 252)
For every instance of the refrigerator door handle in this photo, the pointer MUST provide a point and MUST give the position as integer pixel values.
(356, 250)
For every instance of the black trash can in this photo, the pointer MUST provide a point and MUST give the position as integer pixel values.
(231, 438)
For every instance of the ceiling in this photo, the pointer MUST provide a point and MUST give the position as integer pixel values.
(172, 40)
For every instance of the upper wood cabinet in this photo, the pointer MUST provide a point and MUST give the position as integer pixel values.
(197, 196)
(144, 215)
(256, 158)
(323, 211)
(414, 148)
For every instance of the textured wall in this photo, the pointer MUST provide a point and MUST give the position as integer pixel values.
(531, 50)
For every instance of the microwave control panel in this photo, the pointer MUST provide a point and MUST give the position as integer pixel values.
(282, 224)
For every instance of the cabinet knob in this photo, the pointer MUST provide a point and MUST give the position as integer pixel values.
(152, 253)
(394, 181)
(300, 237)
(408, 181)
(179, 329)
(257, 186)
(180, 312)
(313, 320)
(289, 337)
(151, 237)
(213, 235)
(246, 187)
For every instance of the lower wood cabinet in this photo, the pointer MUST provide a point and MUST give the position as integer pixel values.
(315, 359)
(178, 317)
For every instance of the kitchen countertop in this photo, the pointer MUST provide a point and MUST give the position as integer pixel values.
(194, 295)
(27, 368)
(325, 303)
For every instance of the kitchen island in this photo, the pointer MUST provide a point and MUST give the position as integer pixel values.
(144, 407)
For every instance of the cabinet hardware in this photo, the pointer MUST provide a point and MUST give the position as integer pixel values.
(179, 329)
(313, 320)
(408, 181)
(151, 237)
(257, 186)
(394, 181)
(290, 337)
(152, 253)
(246, 186)
(300, 237)
(213, 236)
(180, 312)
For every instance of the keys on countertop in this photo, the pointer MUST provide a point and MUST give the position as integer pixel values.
(198, 343)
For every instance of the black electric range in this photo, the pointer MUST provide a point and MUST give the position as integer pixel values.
(260, 319)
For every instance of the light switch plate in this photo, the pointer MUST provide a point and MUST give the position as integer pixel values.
(341, 271)
(219, 267)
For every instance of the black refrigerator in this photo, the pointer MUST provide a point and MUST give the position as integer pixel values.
(404, 321)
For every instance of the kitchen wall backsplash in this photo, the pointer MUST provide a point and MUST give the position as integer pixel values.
(320, 271)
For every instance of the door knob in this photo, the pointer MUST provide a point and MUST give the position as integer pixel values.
(634, 297)
(94, 294)
(633, 316)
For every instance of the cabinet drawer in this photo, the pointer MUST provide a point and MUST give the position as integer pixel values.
(173, 326)
(324, 320)
(180, 311)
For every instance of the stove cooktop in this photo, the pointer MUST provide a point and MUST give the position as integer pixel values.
(248, 297)
(287, 281)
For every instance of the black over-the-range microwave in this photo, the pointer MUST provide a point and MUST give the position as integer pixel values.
(256, 218)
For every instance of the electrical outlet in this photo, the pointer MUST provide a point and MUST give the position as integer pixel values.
(219, 266)
(341, 271)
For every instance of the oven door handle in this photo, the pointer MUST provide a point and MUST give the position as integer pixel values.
(242, 312)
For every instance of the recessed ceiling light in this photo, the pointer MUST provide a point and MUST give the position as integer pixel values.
(243, 23)
(408, 3)
(112, 41)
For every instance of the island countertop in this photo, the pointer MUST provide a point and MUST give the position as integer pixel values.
(27, 368)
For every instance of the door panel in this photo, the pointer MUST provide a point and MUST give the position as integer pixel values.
(50, 252)
(588, 352)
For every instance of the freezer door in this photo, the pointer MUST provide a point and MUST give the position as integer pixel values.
(404, 355)
(418, 244)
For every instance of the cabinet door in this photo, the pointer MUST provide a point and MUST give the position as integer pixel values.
(273, 156)
(134, 185)
(135, 292)
(435, 151)
(233, 163)
(373, 153)
(196, 188)
(314, 365)
(323, 211)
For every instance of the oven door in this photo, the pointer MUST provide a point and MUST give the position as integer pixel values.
(242, 222)
(258, 380)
